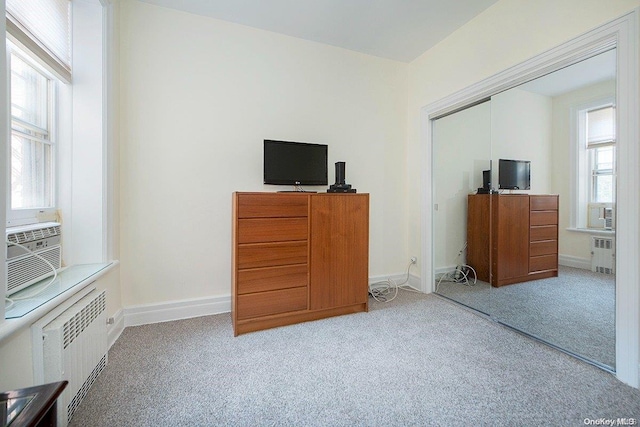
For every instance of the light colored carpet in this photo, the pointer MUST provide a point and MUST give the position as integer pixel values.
(419, 360)
(574, 311)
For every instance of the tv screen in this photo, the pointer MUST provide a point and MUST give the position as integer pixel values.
(295, 163)
(514, 174)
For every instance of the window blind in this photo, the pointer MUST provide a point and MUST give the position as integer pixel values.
(43, 27)
(600, 126)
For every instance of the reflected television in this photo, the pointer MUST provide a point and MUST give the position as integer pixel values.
(514, 174)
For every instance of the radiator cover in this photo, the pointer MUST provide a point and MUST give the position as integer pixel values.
(603, 255)
(75, 349)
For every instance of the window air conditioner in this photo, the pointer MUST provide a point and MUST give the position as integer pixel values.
(601, 215)
(23, 268)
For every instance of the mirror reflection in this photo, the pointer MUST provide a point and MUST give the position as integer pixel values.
(461, 155)
(545, 236)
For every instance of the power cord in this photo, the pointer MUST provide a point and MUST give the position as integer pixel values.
(386, 287)
(461, 275)
(11, 301)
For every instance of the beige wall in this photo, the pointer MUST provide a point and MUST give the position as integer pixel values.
(506, 34)
(571, 243)
(198, 97)
(521, 130)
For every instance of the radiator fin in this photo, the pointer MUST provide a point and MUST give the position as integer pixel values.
(80, 395)
(77, 324)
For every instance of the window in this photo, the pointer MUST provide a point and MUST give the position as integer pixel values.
(38, 40)
(32, 158)
(601, 151)
(602, 174)
(43, 27)
(598, 169)
(32, 153)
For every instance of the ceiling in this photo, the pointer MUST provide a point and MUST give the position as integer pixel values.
(395, 29)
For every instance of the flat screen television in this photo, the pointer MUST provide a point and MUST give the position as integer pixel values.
(295, 163)
(514, 174)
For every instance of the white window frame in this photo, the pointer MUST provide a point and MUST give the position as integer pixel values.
(17, 217)
(581, 181)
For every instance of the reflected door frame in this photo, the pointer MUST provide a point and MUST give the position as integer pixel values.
(621, 34)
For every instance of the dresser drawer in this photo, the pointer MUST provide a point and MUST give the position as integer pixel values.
(543, 232)
(544, 218)
(544, 262)
(543, 247)
(272, 278)
(274, 205)
(272, 302)
(262, 230)
(544, 203)
(271, 254)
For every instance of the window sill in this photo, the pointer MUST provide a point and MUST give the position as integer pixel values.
(70, 281)
(594, 231)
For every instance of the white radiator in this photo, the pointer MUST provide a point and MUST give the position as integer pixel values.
(75, 349)
(603, 258)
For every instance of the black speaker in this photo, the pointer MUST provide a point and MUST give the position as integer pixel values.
(486, 179)
(340, 166)
(340, 186)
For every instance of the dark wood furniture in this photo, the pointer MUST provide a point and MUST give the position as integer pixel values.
(40, 409)
(298, 257)
(512, 238)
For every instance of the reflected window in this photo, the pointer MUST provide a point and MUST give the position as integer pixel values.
(599, 172)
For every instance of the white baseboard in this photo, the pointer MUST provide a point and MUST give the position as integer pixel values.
(186, 309)
(446, 269)
(379, 281)
(116, 328)
(566, 260)
(176, 310)
(415, 282)
(575, 262)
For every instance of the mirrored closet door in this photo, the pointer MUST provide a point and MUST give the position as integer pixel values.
(461, 156)
(549, 239)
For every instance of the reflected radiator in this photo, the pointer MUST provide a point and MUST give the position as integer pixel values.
(603, 258)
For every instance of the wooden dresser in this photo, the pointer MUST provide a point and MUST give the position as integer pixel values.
(512, 237)
(298, 257)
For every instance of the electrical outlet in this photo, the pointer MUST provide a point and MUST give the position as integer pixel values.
(414, 260)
